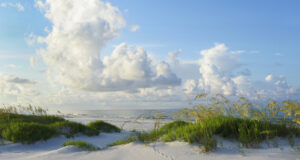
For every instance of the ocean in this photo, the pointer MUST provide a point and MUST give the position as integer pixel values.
(141, 120)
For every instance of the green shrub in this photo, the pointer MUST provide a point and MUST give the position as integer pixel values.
(123, 141)
(69, 128)
(81, 144)
(27, 132)
(103, 126)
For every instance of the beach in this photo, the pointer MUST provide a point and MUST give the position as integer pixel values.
(52, 149)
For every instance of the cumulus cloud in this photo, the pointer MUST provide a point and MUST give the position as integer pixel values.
(220, 71)
(134, 28)
(217, 67)
(191, 87)
(280, 83)
(17, 5)
(76, 39)
(14, 90)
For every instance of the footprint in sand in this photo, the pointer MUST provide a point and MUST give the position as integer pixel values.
(156, 150)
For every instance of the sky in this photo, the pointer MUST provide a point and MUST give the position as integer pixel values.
(138, 54)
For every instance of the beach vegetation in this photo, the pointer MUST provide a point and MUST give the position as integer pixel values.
(31, 124)
(69, 129)
(25, 132)
(81, 145)
(127, 140)
(103, 126)
(246, 122)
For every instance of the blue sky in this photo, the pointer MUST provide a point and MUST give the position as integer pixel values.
(266, 33)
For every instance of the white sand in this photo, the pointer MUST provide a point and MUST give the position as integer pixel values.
(52, 150)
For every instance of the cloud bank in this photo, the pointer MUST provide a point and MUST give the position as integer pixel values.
(222, 72)
(217, 68)
(16, 89)
(78, 36)
(130, 76)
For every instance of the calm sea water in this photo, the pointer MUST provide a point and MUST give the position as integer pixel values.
(122, 114)
(127, 119)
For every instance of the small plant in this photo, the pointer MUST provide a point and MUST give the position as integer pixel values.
(103, 126)
(123, 141)
(81, 144)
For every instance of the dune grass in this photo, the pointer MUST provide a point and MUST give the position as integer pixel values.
(27, 132)
(249, 133)
(247, 123)
(81, 144)
(103, 126)
(69, 129)
(31, 128)
(37, 125)
(123, 141)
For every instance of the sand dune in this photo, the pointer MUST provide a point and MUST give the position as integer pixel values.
(52, 150)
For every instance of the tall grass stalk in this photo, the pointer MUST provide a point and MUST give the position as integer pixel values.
(248, 122)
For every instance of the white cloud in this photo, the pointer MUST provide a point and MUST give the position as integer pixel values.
(279, 81)
(16, 90)
(277, 87)
(74, 44)
(191, 87)
(17, 5)
(269, 77)
(220, 72)
(132, 68)
(134, 28)
(174, 54)
(130, 75)
(217, 67)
